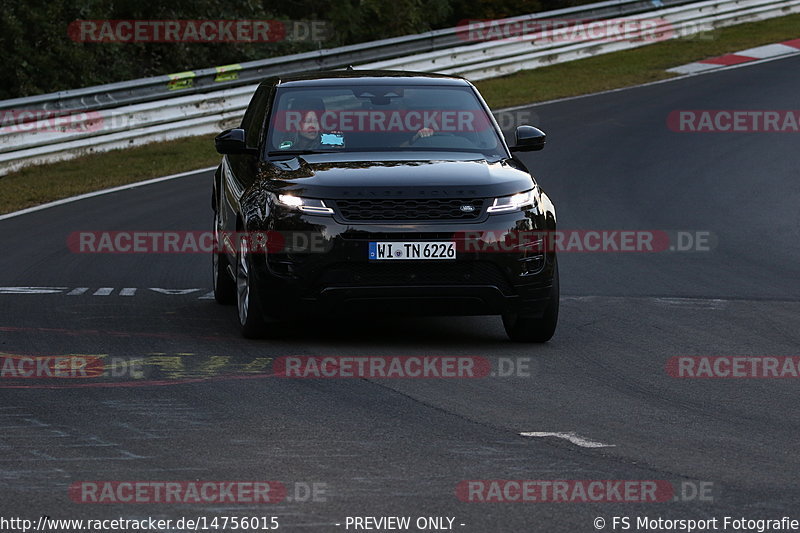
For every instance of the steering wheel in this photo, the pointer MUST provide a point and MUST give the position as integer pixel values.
(434, 134)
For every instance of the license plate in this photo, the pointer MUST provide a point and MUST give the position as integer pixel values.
(412, 250)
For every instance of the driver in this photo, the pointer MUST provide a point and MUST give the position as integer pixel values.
(421, 134)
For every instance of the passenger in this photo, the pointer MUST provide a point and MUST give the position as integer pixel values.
(308, 137)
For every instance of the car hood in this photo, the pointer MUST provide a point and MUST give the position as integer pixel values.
(318, 176)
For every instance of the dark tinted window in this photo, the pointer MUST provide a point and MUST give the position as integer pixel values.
(253, 120)
(381, 118)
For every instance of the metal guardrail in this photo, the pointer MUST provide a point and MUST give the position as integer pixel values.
(228, 76)
(502, 57)
(201, 113)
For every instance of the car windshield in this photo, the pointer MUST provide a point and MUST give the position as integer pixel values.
(381, 118)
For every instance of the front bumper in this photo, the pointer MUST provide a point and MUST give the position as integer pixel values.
(337, 275)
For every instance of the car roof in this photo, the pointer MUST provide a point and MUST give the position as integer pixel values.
(367, 77)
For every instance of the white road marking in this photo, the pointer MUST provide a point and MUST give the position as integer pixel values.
(175, 291)
(104, 191)
(104, 291)
(769, 50)
(31, 290)
(692, 68)
(677, 301)
(696, 303)
(572, 437)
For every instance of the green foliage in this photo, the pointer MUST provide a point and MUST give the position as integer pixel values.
(40, 57)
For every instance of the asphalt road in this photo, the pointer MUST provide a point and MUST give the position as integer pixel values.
(400, 447)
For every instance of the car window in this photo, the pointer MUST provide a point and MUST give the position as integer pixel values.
(253, 120)
(381, 118)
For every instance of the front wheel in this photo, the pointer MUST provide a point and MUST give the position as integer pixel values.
(251, 319)
(521, 328)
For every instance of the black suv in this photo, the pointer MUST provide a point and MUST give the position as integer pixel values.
(380, 191)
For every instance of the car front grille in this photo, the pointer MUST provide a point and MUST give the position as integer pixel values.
(410, 209)
(404, 273)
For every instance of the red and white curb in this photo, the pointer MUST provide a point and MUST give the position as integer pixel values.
(752, 54)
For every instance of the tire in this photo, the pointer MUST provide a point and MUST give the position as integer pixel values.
(521, 328)
(224, 285)
(251, 319)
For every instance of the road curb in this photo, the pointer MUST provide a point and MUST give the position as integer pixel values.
(785, 48)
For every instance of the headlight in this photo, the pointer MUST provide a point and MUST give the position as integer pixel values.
(514, 202)
(309, 205)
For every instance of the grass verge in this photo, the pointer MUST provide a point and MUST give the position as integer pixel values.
(41, 184)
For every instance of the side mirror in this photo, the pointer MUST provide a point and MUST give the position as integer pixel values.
(528, 139)
(233, 142)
